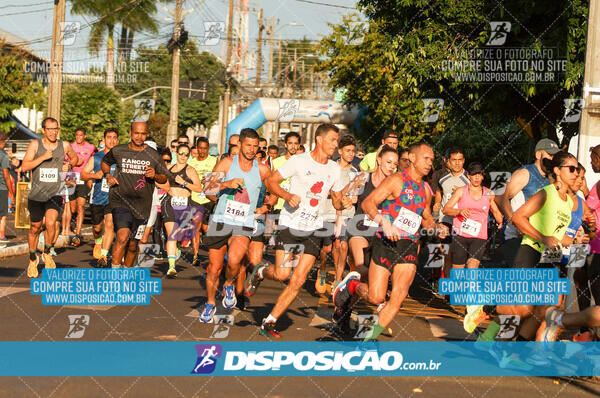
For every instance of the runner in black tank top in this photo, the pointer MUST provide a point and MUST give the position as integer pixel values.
(177, 212)
(361, 233)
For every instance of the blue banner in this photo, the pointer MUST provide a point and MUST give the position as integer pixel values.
(299, 359)
(95, 286)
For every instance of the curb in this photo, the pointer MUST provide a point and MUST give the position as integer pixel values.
(23, 248)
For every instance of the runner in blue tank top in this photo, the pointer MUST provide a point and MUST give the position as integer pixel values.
(100, 207)
(232, 223)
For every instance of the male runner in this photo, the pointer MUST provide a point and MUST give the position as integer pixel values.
(100, 208)
(45, 158)
(369, 162)
(7, 189)
(292, 142)
(139, 167)
(312, 177)
(232, 223)
(203, 164)
(234, 140)
(84, 151)
(405, 202)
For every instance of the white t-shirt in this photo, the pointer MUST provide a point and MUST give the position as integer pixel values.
(311, 181)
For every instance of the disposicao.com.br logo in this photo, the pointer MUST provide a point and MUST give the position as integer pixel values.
(305, 361)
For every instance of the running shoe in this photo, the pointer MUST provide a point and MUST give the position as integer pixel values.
(196, 261)
(116, 266)
(253, 280)
(208, 313)
(320, 282)
(473, 318)
(97, 252)
(75, 240)
(241, 301)
(32, 270)
(48, 261)
(585, 336)
(53, 252)
(229, 300)
(341, 294)
(333, 286)
(172, 271)
(102, 262)
(268, 330)
(552, 329)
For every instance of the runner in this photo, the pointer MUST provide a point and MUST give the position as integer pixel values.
(339, 219)
(234, 140)
(84, 151)
(183, 179)
(301, 150)
(523, 183)
(470, 206)
(369, 163)
(403, 161)
(232, 223)
(139, 167)
(45, 158)
(405, 207)
(543, 220)
(455, 177)
(361, 243)
(292, 142)
(100, 208)
(203, 164)
(312, 177)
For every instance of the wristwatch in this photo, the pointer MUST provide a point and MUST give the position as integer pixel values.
(184, 184)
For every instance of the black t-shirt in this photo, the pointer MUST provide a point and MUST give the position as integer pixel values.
(134, 190)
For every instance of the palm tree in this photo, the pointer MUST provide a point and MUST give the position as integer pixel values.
(138, 16)
(139, 19)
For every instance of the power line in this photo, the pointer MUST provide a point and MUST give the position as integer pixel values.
(326, 4)
(27, 12)
(24, 5)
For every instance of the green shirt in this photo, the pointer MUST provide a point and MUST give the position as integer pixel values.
(369, 162)
(552, 219)
(285, 184)
(202, 167)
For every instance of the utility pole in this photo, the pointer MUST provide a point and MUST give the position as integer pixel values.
(270, 32)
(227, 95)
(56, 60)
(174, 114)
(279, 60)
(261, 27)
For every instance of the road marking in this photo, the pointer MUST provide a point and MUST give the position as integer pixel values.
(91, 307)
(5, 291)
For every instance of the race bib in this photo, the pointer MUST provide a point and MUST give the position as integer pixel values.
(179, 201)
(104, 187)
(140, 232)
(470, 227)
(367, 222)
(307, 218)
(554, 255)
(48, 174)
(237, 211)
(408, 221)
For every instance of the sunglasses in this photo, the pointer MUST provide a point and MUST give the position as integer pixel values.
(167, 160)
(183, 153)
(572, 169)
(262, 147)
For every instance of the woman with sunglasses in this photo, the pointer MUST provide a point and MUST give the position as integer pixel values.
(544, 220)
(183, 179)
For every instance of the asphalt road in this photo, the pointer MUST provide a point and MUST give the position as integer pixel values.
(173, 316)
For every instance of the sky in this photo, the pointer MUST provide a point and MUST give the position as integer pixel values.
(32, 20)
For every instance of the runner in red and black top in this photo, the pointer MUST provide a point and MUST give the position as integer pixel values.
(404, 201)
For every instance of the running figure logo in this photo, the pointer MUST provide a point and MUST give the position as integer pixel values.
(207, 358)
(431, 109)
(365, 325)
(292, 254)
(213, 31)
(578, 255)
(573, 107)
(287, 109)
(222, 325)
(499, 181)
(508, 326)
(77, 325)
(68, 32)
(499, 33)
(437, 253)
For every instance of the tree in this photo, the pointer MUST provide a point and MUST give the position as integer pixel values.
(14, 88)
(137, 16)
(94, 108)
(406, 43)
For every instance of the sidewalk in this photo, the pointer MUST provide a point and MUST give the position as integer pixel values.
(18, 246)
